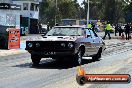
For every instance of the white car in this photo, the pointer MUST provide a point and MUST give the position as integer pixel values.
(66, 42)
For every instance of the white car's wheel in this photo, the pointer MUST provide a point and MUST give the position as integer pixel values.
(35, 60)
(79, 57)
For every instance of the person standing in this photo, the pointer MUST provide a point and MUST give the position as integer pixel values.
(89, 25)
(116, 29)
(48, 27)
(130, 27)
(93, 26)
(120, 30)
(127, 31)
(107, 30)
(40, 28)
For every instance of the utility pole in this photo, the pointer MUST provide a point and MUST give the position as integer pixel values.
(88, 13)
(56, 12)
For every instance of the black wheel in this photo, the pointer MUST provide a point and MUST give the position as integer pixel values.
(35, 60)
(81, 80)
(98, 55)
(78, 57)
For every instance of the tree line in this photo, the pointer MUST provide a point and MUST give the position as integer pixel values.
(114, 11)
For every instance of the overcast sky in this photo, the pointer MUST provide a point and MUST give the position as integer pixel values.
(80, 1)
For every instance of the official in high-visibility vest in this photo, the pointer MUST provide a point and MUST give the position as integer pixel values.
(107, 30)
(89, 26)
(108, 27)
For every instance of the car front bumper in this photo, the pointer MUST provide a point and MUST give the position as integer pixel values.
(52, 53)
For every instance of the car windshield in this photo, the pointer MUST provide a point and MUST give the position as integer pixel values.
(65, 32)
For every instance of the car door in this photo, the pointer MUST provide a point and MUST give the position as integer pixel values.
(95, 42)
(89, 42)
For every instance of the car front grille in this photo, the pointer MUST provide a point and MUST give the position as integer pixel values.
(49, 45)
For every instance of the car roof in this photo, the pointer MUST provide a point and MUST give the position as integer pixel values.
(68, 27)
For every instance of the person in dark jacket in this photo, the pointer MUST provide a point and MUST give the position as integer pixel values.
(48, 26)
(93, 27)
(116, 29)
(120, 30)
(127, 31)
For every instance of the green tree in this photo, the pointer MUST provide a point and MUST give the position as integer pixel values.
(109, 10)
(65, 9)
(128, 12)
(112, 10)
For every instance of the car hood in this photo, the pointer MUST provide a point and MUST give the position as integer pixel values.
(58, 38)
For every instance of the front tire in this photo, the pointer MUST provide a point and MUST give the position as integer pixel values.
(35, 60)
(78, 57)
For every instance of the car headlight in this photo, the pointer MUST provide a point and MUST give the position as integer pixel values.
(30, 45)
(70, 45)
(63, 44)
(37, 45)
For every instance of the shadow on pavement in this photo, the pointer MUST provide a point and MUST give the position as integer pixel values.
(52, 64)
